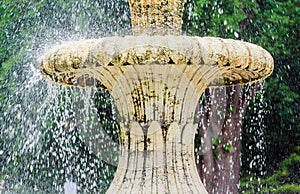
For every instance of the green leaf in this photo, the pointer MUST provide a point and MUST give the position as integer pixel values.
(216, 142)
(228, 148)
(216, 153)
(232, 110)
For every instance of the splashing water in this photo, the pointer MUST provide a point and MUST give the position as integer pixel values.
(37, 125)
(254, 152)
(50, 132)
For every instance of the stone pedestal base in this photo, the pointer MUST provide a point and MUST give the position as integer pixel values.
(158, 163)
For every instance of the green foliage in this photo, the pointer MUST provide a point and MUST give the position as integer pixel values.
(274, 25)
(277, 26)
(217, 143)
(284, 180)
(232, 111)
(227, 148)
(25, 27)
(283, 121)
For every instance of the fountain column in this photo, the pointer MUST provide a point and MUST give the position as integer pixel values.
(156, 104)
(156, 17)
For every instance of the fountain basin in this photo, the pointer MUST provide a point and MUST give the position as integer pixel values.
(80, 63)
(156, 83)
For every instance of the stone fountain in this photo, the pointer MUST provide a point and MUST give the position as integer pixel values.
(156, 78)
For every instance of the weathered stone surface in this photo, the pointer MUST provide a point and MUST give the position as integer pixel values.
(82, 63)
(156, 108)
(160, 17)
(156, 82)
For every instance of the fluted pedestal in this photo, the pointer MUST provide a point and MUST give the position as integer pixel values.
(156, 104)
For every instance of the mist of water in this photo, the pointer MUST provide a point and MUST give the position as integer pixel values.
(49, 133)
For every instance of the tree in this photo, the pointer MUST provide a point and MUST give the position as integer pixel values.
(264, 23)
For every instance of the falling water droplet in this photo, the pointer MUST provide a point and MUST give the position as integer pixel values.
(236, 34)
